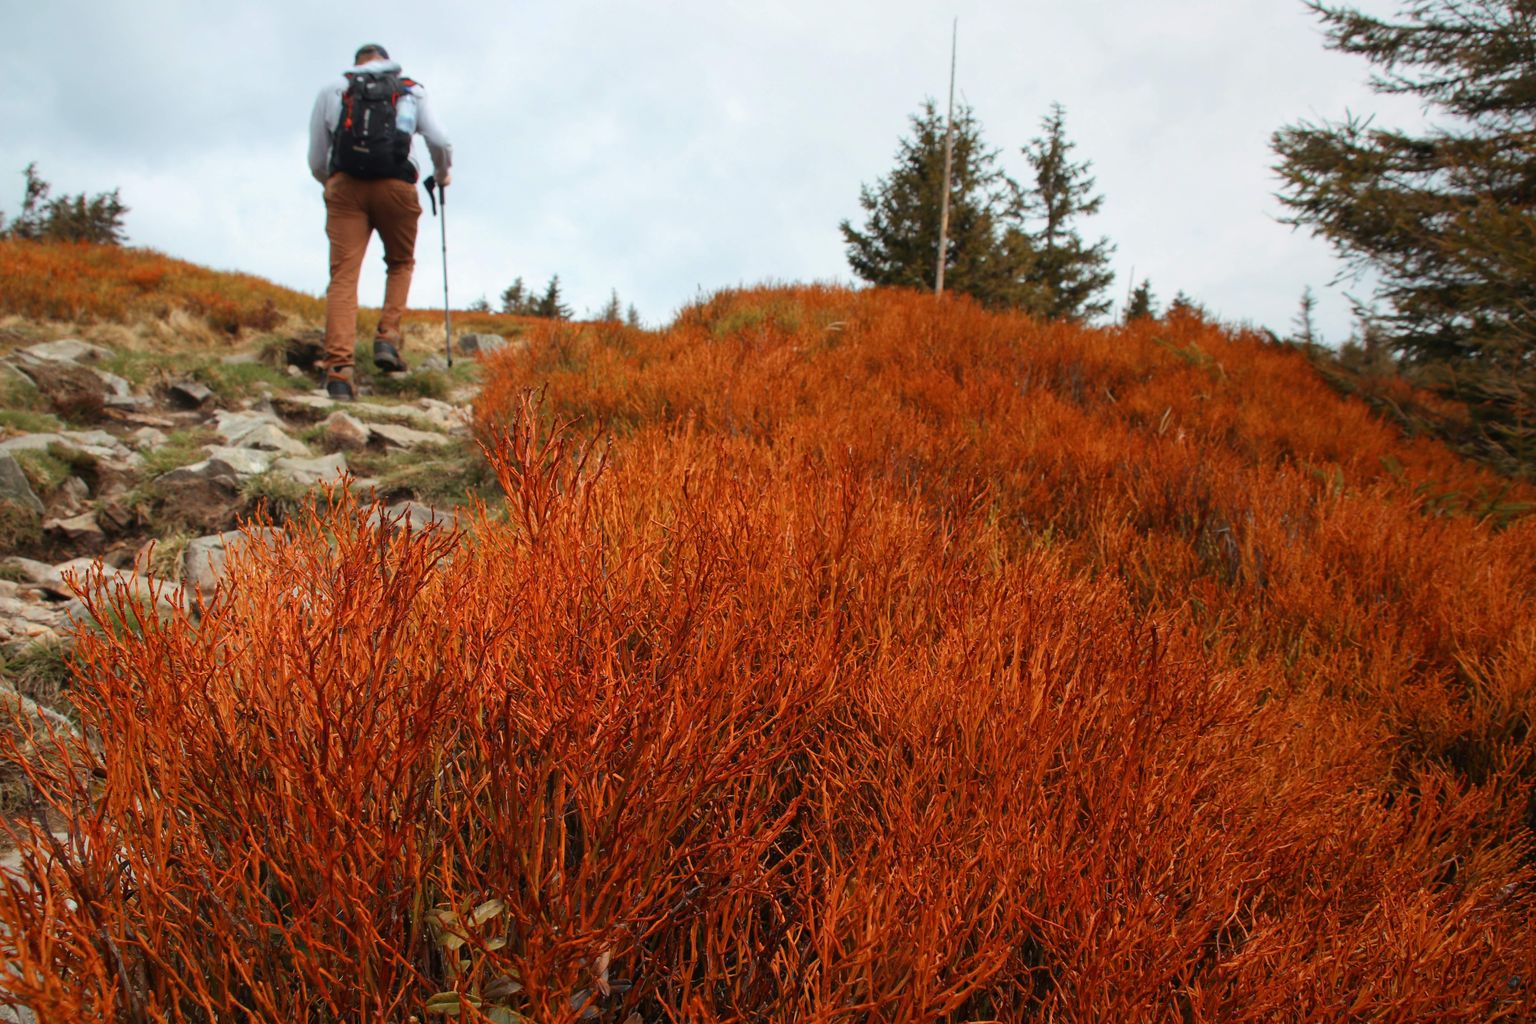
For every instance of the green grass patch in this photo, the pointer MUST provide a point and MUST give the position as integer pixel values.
(26, 421)
(45, 469)
(182, 448)
(19, 398)
(232, 382)
(165, 558)
(40, 671)
(449, 475)
(19, 526)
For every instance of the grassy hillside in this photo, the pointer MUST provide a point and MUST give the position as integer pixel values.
(82, 283)
(838, 657)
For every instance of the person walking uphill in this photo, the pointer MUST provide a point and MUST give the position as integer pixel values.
(360, 137)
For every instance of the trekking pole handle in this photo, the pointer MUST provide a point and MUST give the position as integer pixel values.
(430, 184)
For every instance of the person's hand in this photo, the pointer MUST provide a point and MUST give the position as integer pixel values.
(445, 179)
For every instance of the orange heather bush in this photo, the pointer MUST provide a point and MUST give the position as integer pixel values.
(80, 281)
(894, 661)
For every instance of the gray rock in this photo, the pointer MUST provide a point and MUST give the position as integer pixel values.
(30, 442)
(412, 516)
(116, 386)
(59, 578)
(189, 394)
(14, 486)
(75, 492)
(67, 350)
(433, 362)
(306, 407)
(256, 430)
(309, 472)
(96, 443)
(240, 462)
(127, 403)
(80, 529)
(472, 343)
(29, 569)
(193, 472)
(443, 415)
(393, 435)
(205, 561)
(345, 431)
(146, 438)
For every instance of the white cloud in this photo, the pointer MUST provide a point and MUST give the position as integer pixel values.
(679, 145)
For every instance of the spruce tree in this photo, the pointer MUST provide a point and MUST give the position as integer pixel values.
(611, 311)
(1444, 218)
(899, 241)
(1069, 277)
(550, 305)
(1305, 332)
(1141, 305)
(517, 300)
(79, 218)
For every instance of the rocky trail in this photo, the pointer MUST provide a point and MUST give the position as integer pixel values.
(149, 479)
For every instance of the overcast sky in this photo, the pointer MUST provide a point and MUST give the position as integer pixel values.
(680, 146)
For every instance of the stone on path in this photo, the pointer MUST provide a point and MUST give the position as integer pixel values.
(67, 350)
(308, 472)
(393, 435)
(15, 487)
(343, 430)
(189, 394)
(204, 562)
(472, 343)
(256, 430)
(80, 529)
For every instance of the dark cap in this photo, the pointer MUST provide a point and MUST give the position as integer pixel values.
(370, 48)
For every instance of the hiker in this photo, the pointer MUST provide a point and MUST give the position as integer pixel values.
(360, 137)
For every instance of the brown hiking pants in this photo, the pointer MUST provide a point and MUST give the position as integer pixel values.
(354, 209)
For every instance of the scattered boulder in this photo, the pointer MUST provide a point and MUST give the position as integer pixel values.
(393, 435)
(29, 569)
(66, 350)
(145, 438)
(481, 343)
(98, 444)
(413, 516)
(256, 430)
(239, 462)
(116, 386)
(309, 408)
(14, 486)
(345, 431)
(204, 562)
(442, 415)
(72, 494)
(189, 394)
(308, 472)
(81, 529)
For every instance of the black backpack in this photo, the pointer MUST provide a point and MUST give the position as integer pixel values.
(367, 143)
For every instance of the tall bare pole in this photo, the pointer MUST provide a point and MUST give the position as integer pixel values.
(949, 163)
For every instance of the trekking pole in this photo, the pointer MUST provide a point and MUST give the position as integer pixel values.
(442, 222)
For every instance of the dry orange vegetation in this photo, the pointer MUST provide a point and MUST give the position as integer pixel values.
(83, 282)
(895, 661)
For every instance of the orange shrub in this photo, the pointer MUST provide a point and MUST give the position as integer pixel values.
(79, 281)
(894, 661)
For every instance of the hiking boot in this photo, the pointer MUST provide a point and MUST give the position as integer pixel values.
(386, 357)
(339, 389)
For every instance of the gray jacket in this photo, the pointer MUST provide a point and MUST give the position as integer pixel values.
(412, 114)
